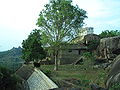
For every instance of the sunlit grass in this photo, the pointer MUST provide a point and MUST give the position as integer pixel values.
(79, 72)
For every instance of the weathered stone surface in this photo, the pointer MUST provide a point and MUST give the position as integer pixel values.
(79, 61)
(114, 74)
(39, 81)
(34, 79)
(91, 37)
(109, 47)
(70, 54)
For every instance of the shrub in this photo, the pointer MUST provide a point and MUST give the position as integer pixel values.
(89, 56)
(8, 80)
(115, 86)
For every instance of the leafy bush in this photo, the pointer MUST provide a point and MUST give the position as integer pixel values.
(89, 59)
(8, 80)
(115, 86)
(89, 56)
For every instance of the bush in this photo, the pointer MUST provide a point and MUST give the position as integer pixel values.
(89, 56)
(115, 86)
(8, 80)
(89, 59)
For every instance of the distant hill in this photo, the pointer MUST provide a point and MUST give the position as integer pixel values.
(12, 58)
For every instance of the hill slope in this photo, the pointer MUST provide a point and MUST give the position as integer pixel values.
(11, 58)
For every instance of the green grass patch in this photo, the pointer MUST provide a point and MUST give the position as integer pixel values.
(83, 75)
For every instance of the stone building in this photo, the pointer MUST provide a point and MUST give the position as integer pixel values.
(71, 53)
(109, 47)
(82, 33)
(91, 37)
(34, 79)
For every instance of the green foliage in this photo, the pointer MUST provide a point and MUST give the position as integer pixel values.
(32, 47)
(89, 56)
(115, 86)
(108, 33)
(85, 77)
(59, 23)
(89, 59)
(85, 83)
(8, 80)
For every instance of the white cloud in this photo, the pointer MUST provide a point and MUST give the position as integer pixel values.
(102, 14)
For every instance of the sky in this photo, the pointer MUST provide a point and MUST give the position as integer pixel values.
(18, 18)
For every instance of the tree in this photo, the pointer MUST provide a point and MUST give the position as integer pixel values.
(32, 47)
(108, 33)
(59, 23)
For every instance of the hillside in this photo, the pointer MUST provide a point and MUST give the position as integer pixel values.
(11, 58)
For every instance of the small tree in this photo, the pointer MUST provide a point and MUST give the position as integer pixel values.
(32, 47)
(59, 24)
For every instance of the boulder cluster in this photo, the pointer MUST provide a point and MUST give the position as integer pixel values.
(108, 51)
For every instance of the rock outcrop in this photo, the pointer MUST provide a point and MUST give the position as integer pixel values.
(92, 42)
(109, 47)
(114, 74)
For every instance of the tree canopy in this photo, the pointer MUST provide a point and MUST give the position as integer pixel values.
(59, 23)
(32, 47)
(109, 33)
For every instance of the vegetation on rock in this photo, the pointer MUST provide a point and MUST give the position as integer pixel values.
(109, 33)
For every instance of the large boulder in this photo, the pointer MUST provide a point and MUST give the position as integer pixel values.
(109, 47)
(114, 74)
(92, 42)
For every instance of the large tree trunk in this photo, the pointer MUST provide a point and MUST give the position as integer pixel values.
(56, 61)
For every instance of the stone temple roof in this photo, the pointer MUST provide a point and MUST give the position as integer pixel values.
(35, 79)
(25, 72)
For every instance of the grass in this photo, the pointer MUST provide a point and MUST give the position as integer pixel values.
(81, 73)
